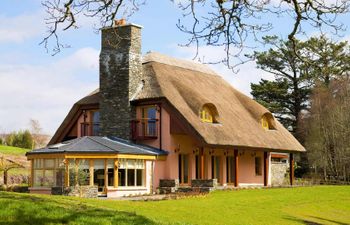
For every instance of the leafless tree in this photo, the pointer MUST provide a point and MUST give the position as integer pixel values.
(39, 138)
(227, 24)
(328, 130)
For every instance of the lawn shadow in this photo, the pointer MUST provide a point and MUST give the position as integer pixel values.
(329, 220)
(54, 212)
(302, 221)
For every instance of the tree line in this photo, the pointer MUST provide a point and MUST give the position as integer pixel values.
(310, 97)
(28, 138)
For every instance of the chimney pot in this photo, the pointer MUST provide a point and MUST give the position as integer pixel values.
(120, 22)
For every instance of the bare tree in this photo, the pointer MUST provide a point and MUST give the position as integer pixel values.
(220, 23)
(39, 138)
(328, 130)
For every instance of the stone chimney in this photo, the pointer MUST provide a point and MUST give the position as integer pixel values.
(120, 75)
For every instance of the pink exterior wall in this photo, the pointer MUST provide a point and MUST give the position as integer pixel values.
(246, 165)
(177, 144)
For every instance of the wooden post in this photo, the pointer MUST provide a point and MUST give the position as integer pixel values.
(76, 169)
(116, 173)
(66, 176)
(106, 175)
(291, 168)
(266, 169)
(236, 167)
(91, 170)
(31, 173)
(202, 163)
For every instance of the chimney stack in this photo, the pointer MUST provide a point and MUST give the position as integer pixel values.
(120, 74)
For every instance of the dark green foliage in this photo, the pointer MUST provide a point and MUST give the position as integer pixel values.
(21, 139)
(1, 141)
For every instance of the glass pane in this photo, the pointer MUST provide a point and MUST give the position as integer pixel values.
(84, 164)
(139, 164)
(99, 164)
(59, 163)
(49, 163)
(131, 164)
(49, 178)
(180, 168)
(139, 177)
(38, 178)
(110, 163)
(38, 163)
(99, 179)
(110, 176)
(217, 167)
(59, 178)
(96, 117)
(122, 163)
(121, 177)
(185, 166)
(131, 177)
(151, 113)
(84, 177)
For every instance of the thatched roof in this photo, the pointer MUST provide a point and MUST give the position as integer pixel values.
(188, 86)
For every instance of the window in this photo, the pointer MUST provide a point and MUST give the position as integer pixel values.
(215, 168)
(230, 169)
(48, 172)
(110, 171)
(208, 113)
(131, 172)
(99, 174)
(258, 170)
(183, 169)
(198, 167)
(95, 123)
(267, 121)
(149, 117)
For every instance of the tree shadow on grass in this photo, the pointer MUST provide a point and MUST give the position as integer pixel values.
(308, 222)
(27, 209)
(301, 221)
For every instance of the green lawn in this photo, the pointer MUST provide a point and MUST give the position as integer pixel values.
(307, 205)
(9, 150)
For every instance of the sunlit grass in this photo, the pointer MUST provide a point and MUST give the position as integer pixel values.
(306, 205)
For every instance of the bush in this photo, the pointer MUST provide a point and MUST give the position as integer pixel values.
(1, 141)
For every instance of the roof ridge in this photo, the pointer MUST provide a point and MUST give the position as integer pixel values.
(90, 137)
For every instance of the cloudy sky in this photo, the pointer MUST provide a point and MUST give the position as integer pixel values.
(36, 85)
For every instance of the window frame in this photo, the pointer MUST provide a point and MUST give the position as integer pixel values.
(135, 169)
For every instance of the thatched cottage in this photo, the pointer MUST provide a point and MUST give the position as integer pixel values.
(157, 121)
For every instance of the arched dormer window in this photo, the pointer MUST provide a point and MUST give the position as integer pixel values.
(268, 121)
(209, 113)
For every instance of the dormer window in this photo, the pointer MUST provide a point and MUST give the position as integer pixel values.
(268, 121)
(208, 113)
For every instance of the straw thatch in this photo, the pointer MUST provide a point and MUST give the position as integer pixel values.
(188, 86)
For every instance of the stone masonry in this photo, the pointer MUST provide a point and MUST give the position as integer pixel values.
(120, 76)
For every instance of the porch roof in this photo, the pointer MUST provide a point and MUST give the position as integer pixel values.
(103, 145)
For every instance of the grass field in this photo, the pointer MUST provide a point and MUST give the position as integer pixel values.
(306, 205)
(9, 150)
(17, 155)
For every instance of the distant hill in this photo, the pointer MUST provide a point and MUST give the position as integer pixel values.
(9, 150)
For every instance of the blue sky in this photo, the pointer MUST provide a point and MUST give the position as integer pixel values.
(36, 85)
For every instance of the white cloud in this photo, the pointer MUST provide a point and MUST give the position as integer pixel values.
(248, 73)
(17, 29)
(45, 92)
